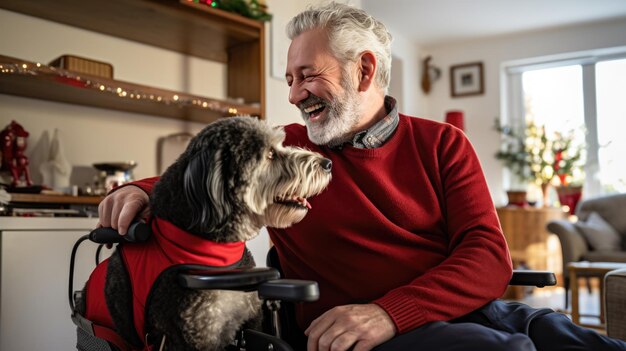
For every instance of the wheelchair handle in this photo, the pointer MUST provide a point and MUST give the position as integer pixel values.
(137, 232)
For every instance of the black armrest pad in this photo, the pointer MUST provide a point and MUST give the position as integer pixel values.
(260, 341)
(243, 279)
(290, 290)
(533, 278)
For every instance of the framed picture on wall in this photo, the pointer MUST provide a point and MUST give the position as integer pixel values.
(467, 79)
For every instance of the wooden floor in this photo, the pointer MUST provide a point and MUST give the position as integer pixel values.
(553, 297)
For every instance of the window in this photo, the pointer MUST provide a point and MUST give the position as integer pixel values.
(581, 94)
(611, 94)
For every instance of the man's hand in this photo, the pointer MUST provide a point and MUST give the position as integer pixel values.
(361, 326)
(119, 208)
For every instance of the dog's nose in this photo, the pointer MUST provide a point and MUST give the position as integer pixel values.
(326, 164)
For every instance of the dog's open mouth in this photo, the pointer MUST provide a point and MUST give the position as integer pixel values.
(293, 201)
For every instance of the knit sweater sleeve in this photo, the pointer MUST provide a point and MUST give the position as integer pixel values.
(478, 267)
(146, 184)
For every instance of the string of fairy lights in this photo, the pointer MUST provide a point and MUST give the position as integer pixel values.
(179, 100)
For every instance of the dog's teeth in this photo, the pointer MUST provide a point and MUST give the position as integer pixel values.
(303, 201)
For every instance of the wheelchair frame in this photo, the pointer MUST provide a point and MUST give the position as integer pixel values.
(266, 281)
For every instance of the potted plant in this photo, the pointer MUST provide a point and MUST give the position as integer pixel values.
(568, 169)
(535, 157)
(514, 155)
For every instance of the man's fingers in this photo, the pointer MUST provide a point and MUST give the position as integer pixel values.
(335, 339)
(104, 212)
(126, 216)
(343, 341)
(360, 326)
(119, 208)
(115, 215)
(316, 330)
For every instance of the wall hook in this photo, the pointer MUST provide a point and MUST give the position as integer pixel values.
(430, 74)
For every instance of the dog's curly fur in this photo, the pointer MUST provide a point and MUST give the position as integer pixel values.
(234, 178)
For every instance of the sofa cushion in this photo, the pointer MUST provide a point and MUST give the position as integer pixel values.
(600, 235)
(611, 207)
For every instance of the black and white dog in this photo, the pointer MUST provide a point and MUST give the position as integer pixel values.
(234, 178)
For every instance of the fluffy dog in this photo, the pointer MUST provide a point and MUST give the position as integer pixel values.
(234, 178)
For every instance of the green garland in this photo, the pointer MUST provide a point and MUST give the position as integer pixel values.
(247, 8)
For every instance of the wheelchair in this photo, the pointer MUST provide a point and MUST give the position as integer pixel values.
(268, 283)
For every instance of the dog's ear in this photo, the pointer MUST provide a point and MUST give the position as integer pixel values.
(255, 199)
(204, 190)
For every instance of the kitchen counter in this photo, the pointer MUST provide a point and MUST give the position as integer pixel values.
(55, 199)
(47, 205)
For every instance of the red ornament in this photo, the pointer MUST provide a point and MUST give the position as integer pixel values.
(13, 158)
(456, 119)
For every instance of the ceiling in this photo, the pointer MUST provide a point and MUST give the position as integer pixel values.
(430, 22)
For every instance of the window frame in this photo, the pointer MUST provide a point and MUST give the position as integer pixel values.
(512, 110)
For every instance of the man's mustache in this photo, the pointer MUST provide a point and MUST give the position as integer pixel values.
(311, 100)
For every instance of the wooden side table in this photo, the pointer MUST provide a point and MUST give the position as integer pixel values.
(589, 269)
(529, 241)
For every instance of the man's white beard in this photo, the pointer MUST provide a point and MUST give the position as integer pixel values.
(343, 114)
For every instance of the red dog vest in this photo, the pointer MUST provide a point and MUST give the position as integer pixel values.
(168, 246)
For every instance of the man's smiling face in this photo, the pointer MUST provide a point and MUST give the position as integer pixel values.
(324, 93)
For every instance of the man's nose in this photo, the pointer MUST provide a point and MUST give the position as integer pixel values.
(297, 94)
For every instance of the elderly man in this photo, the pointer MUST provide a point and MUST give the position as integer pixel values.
(405, 242)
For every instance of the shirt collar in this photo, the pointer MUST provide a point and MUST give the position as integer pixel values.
(380, 132)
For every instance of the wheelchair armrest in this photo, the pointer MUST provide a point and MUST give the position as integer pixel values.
(290, 290)
(243, 279)
(533, 278)
(255, 340)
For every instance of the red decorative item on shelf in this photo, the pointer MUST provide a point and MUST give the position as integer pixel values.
(456, 119)
(570, 196)
(13, 158)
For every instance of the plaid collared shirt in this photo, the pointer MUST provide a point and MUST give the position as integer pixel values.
(380, 132)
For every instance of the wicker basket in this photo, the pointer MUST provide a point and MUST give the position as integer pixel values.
(84, 66)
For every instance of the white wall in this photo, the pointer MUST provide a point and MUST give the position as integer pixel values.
(405, 82)
(481, 111)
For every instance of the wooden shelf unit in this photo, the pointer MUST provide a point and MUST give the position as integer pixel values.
(55, 84)
(182, 26)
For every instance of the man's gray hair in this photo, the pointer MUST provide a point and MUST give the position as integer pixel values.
(351, 31)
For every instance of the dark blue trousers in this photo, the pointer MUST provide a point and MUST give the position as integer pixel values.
(504, 326)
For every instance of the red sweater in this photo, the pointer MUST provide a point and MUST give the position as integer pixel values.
(409, 226)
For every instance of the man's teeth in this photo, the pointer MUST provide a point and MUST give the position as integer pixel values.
(313, 108)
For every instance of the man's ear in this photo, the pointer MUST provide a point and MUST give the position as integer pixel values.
(367, 70)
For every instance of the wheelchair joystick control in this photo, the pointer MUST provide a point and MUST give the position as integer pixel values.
(137, 232)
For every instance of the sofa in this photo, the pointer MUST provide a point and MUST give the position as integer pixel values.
(599, 234)
(615, 303)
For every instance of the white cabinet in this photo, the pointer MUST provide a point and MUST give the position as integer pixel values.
(34, 272)
(34, 267)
